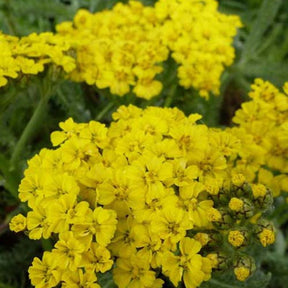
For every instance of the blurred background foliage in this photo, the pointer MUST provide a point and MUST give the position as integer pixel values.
(261, 51)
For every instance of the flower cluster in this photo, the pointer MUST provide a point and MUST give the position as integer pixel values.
(30, 54)
(125, 47)
(151, 193)
(263, 130)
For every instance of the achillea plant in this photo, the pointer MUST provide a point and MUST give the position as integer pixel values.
(152, 193)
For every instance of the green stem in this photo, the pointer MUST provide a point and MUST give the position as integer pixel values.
(221, 285)
(28, 131)
(9, 21)
(11, 183)
(170, 96)
(102, 113)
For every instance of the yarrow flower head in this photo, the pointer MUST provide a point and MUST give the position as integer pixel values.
(30, 55)
(136, 194)
(262, 128)
(126, 47)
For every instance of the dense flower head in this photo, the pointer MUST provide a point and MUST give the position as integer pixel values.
(262, 128)
(138, 193)
(125, 47)
(30, 54)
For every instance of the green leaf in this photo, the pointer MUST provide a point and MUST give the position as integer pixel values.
(264, 19)
(277, 73)
(105, 280)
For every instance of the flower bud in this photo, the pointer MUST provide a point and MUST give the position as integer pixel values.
(238, 180)
(244, 267)
(265, 200)
(267, 237)
(265, 232)
(236, 204)
(247, 210)
(225, 221)
(244, 191)
(223, 261)
(241, 273)
(237, 238)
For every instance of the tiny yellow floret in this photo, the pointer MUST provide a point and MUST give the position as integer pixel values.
(241, 273)
(213, 215)
(236, 238)
(259, 190)
(18, 223)
(267, 237)
(238, 179)
(236, 204)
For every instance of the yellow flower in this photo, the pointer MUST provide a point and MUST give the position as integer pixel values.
(45, 273)
(171, 224)
(238, 179)
(236, 204)
(191, 266)
(241, 273)
(203, 238)
(78, 279)
(69, 128)
(267, 237)
(18, 223)
(100, 223)
(38, 224)
(259, 190)
(97, 259)
(236, 238)
(68, 251)
(133, 272)
(214, 215)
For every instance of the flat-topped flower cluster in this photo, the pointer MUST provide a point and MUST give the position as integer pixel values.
(153, 193)
(29, 55)
(126, 47)
(262, 126)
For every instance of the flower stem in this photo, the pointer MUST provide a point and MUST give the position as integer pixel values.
(102, 113)
(28, 131)
(170, 96)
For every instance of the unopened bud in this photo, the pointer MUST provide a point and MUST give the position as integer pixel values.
(247, 210)
(265, 232)
(258, 190)
(237, 238)
(267, 237)
(244, 267)
(236, 204)
(238, 179)
(264, 202)
(241, 273)
(225, 220)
